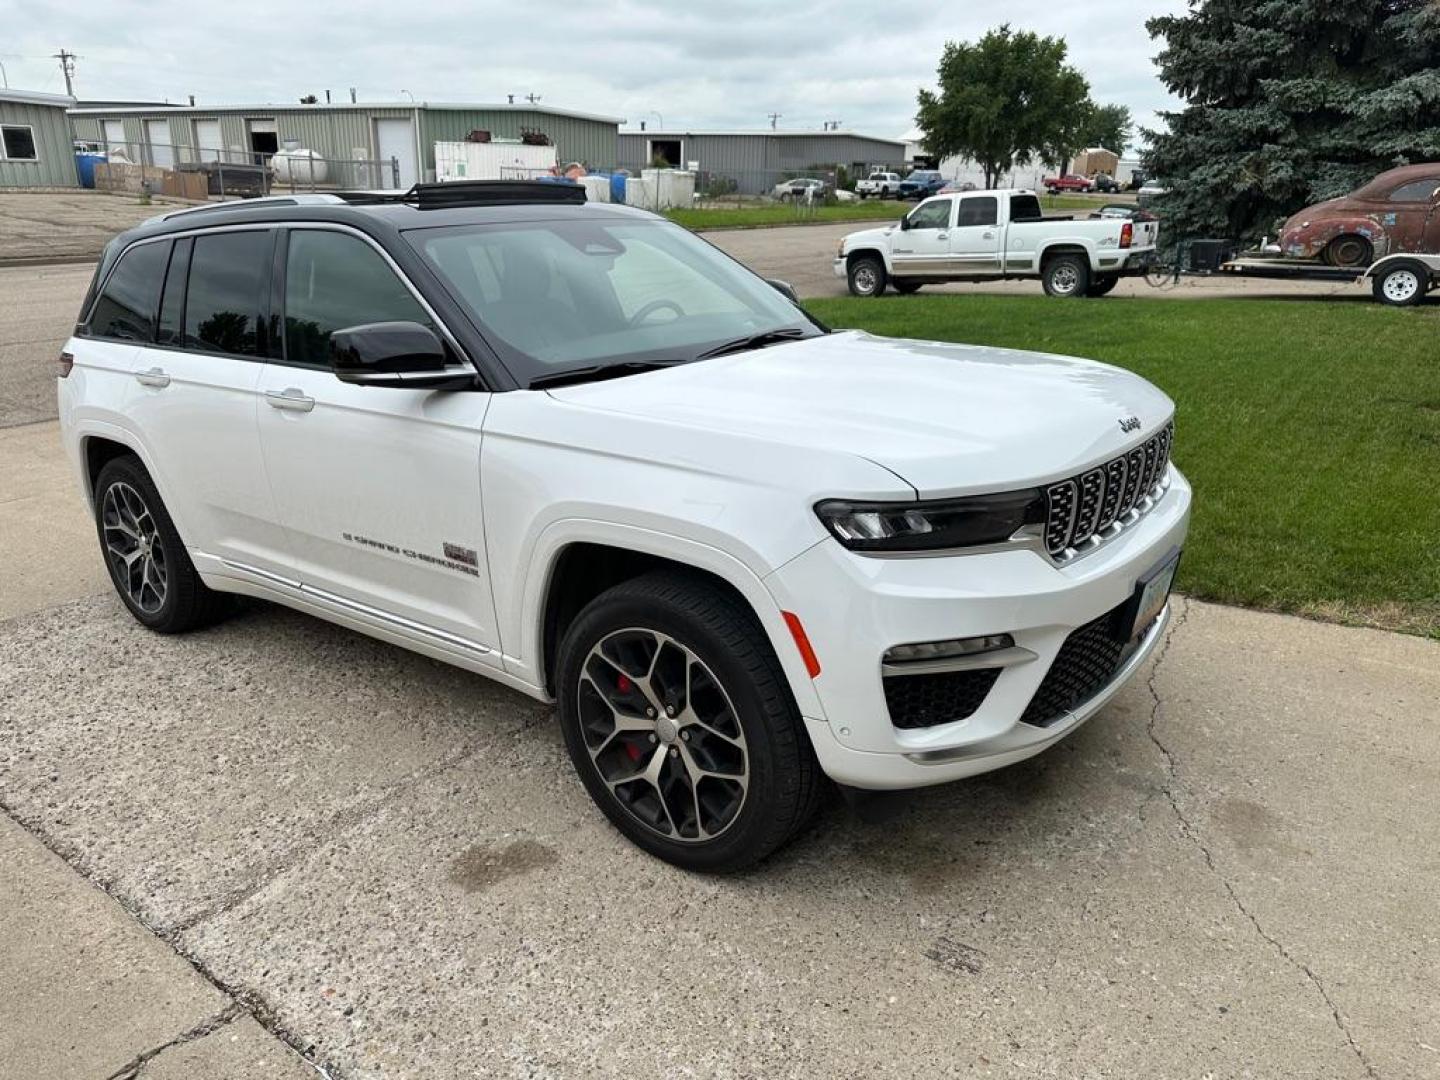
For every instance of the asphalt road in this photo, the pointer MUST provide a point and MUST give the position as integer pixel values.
(1230, 872)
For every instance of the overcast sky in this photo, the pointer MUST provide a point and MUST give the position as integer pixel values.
(698, 64)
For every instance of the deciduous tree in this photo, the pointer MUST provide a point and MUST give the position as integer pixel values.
(1004, 101)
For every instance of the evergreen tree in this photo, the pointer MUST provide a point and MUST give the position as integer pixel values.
(1289, 102)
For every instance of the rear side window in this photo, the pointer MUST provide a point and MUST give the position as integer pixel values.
(1024, 208)
(979, 211)
(127, 303)
(228, 276)
(334, 281)
(1419, 191)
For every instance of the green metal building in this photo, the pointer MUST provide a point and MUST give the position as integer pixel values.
(169, 135)
(35, 144)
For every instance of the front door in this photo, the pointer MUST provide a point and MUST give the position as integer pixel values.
(924, 247)
(378, 487)
(395, 140)
(975, 239)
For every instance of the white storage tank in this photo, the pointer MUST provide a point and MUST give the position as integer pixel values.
(295, 164)
(492, 160)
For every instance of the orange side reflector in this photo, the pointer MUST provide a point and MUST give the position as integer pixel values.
(807, 653)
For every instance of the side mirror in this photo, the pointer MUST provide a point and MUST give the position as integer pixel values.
(394, 354)
(905, 223)
(784, 288)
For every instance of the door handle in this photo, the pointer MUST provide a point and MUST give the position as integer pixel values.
(154, 377)
(942, 236)
(290, 398)
(989, 236)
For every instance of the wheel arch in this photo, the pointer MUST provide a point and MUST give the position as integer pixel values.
(1055, 248)
(851, 256)
(573, 562)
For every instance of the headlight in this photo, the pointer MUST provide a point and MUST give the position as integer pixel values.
(932, 526)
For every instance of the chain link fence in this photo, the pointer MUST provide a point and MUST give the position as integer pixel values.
(190, 172)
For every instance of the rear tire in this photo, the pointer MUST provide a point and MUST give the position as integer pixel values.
(1403, 284)
(147, 560)
(867, 276)
(1066, 276)
(1350, 251)
(678, 718)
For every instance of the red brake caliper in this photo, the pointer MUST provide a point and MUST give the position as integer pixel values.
(624, 686)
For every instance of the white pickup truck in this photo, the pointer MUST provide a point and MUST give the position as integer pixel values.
(992, 235)
(882, 185)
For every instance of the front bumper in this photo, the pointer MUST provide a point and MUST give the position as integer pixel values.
(855, 607)
(841, 268)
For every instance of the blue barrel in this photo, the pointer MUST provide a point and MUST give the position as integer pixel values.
(85, 162)
(617, 185)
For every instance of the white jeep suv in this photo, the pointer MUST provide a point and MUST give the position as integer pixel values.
(577, 449)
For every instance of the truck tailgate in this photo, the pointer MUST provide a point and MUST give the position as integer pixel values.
(1146, 234)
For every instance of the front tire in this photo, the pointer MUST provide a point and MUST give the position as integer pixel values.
(1066, 276)
(1402, 285)
(147, 560)
(867, 276)
(677, 717)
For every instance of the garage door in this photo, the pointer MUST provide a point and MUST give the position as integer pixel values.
(115, 137)
(157, 134)
(207, 138)
(396, 139)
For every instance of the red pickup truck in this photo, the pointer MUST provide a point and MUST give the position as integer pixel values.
(1069, 182)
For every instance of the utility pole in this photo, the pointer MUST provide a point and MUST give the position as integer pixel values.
(774, 119)
(67, 65)
(534, 99)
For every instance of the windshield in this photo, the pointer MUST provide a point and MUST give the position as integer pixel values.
(554, 296)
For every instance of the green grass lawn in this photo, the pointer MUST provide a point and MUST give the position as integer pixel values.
(759, 217)
(1310, 430)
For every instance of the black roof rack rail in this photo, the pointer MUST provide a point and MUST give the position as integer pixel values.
(439, 196)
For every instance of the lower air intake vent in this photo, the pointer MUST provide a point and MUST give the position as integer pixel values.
(921, 701)
(1085, 664)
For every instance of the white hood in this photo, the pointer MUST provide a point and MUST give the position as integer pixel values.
(948, 419)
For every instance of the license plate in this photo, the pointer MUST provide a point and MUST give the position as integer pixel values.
(1151, 593)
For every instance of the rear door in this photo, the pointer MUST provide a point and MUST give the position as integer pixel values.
(193, 399)
(923, 249)
(379, 487)
(976, 237)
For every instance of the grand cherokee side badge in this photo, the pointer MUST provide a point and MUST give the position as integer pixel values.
(1129, 424)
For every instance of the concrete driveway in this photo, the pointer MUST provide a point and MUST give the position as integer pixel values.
(221, 850)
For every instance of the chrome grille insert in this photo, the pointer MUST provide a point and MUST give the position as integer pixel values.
(1083, 512)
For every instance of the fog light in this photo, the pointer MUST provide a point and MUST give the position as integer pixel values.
(939, 650)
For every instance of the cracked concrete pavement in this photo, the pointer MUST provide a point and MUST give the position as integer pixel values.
(387, 863)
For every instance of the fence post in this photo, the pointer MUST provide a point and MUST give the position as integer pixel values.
(394, 171)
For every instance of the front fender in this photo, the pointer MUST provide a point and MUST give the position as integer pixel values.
(529, 628)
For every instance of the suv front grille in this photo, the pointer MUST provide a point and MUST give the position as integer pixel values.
(1080, 510)
(921, 701)
(1083, 667)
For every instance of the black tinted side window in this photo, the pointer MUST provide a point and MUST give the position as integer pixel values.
(126, 308)
(981, 211)
(228, 276)
(1024, 208)
(172, 300)
(334, 281)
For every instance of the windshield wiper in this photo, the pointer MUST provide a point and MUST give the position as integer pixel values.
(754, 341)
(599, 372)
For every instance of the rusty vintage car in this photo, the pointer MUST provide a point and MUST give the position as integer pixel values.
(1396, 213)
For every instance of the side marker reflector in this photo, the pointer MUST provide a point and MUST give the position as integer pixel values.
(807, 653)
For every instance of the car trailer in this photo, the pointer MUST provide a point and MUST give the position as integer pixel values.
(1398, 280)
